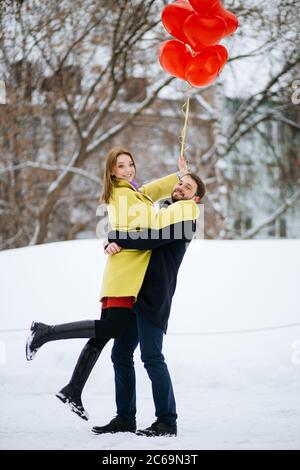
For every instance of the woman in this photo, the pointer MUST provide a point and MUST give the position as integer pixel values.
(129, 208)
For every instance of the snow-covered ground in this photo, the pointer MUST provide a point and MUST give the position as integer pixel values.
(235, 389)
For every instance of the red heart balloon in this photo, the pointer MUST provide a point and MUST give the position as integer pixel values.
(174, 58)
(231, 20)
(173, 17)
(203, 69)
(204, 31)
(203, 6)
(223, 53)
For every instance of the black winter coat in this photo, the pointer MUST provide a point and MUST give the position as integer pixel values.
(168, 247)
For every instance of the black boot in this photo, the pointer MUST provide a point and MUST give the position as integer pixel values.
(71, 393)
(115, 425)
(159, 428)
(42, 333)
(71, 396)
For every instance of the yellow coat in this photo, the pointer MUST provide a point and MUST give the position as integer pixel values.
(130, 210)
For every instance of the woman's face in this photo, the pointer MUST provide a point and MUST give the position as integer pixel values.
(124, 168)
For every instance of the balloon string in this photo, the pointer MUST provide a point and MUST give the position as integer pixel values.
(186, 109)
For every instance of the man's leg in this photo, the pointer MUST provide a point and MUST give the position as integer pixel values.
(122, 358)
(125, 393)
(151, 342)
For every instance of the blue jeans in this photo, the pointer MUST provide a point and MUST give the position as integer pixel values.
(150, 338)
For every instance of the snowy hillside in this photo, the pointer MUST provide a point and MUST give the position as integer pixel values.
(233, 348)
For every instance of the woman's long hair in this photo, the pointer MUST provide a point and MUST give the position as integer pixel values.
(109, 180)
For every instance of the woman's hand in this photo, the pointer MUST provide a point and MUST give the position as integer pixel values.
(182, 165)
(112, 249)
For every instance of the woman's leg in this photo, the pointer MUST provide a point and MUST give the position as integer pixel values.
(113, 326)
(71, 393)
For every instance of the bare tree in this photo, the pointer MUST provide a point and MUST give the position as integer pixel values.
(69, 69)
(66, 64)
(277, 48)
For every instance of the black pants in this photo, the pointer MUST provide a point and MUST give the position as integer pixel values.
(150, 337)
(113, 323)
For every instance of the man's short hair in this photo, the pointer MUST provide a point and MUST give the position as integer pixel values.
(201, 188)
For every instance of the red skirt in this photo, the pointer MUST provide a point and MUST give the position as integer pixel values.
(108, 302)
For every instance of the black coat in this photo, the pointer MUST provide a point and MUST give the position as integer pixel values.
(168, 247)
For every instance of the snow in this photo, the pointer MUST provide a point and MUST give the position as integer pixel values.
(235, 389)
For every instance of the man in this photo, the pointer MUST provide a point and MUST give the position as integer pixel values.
(152, 310)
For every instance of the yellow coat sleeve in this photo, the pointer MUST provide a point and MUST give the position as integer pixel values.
(179, 211)
(161, 188)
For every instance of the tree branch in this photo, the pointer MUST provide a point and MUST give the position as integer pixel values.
(271, 219)
(152, 94)
(47, 167)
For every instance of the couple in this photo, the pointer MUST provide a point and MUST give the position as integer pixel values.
(146, 249)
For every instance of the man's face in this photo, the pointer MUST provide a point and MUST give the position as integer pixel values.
(185, 189)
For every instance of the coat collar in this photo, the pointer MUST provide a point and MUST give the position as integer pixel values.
(125, 184)
(120, 183)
